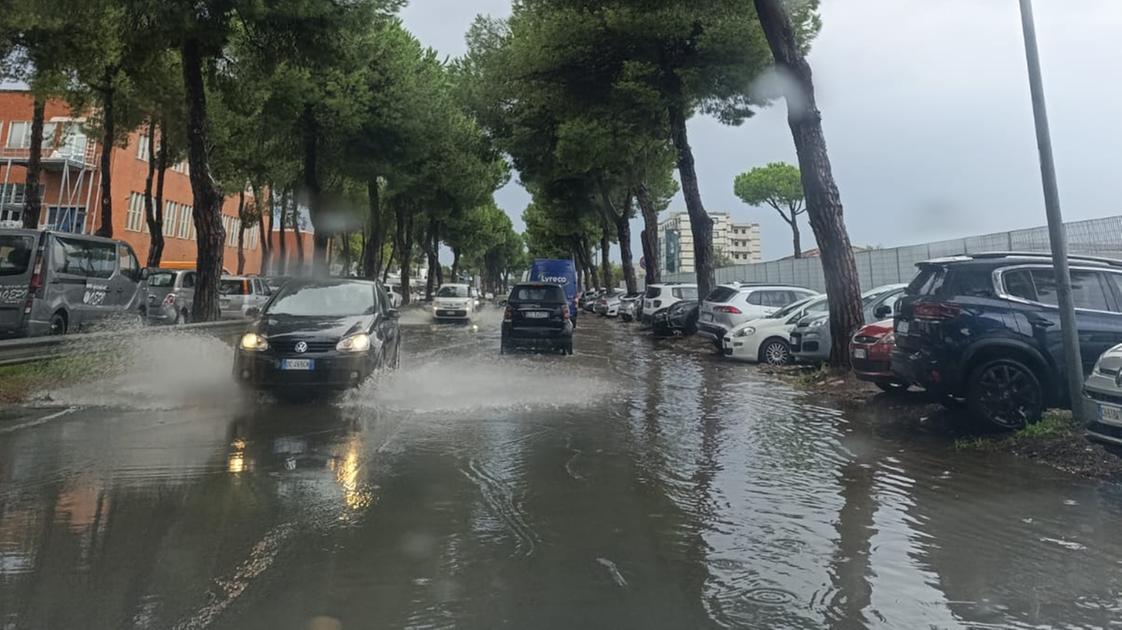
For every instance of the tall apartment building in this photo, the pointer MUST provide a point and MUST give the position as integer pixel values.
(70, 178)
(740, 242)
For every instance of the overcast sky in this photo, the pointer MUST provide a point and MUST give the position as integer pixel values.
(926, 112)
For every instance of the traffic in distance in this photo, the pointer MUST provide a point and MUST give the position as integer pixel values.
(979, 331)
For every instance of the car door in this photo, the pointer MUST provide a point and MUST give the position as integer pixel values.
(1096, 313)
(125, 282)
(387, 327)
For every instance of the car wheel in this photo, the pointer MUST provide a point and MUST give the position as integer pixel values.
(891, 387)
(775, 352)
(569, 347)
(58, 324)
(1005, 393)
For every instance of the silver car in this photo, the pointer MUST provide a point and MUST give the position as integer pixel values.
(168, 296)
(1103, 390)
(811, 340)
(238, 294)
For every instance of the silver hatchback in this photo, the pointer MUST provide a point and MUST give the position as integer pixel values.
(169, 295)
(238, 294)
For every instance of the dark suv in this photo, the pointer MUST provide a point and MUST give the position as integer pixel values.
(986, 327)
(537, 315)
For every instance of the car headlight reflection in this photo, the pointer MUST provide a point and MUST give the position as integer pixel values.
(745, 332)
(354, 343)
(253, 342)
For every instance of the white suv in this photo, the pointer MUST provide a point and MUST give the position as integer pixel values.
(730, 305)
(660, 296)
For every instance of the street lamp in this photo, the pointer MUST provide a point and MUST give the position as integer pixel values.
(1056, 235)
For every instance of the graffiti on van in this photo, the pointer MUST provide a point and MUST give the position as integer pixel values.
(11, 295)
(95, 294)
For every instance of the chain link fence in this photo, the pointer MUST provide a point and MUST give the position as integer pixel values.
(1097, 237)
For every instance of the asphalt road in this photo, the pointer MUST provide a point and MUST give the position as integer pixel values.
(640, 483)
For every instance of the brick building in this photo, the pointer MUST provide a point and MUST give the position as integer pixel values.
(70, 184)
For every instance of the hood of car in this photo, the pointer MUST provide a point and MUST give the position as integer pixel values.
(272, 327)
(1111, 360)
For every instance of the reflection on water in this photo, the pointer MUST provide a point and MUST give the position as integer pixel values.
(639, 483)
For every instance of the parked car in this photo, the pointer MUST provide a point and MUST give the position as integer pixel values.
(537, 316)
(660, 296)
(768, 339)
(608, 301)
(1104, 390)
(629, 306)
(986, 327)
(319, 335)
(810, 340)
(729, 305)
(274, 283)
(238, 294)
(590, 299)
(169, 295)
(676, 320)
(53, 282)
(870, 354)
(453, 301)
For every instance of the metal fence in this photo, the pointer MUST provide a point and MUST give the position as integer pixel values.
(1099, 237)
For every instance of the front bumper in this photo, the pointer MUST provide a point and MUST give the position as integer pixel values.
(711, 330)
(739, 348)
(807, 346)
(1106, 398)
(331, 370)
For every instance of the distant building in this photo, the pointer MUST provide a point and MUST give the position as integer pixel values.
(740, 242)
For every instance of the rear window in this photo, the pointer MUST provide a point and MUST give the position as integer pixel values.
(15, 254)
(685, 293)
(721, 294)
(161, 279)
(538, 294)
(962, 281)
(929, 279)
(233, 287)
(653, 292)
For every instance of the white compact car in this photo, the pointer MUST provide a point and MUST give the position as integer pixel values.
(768, 339)
(661, 296)
(454, 301)
(729, 305)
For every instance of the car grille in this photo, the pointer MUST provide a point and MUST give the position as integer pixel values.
(450, 313)
(866, 339)
(1101, 397)
(1106, 431)
(313, 346)
(796, 342)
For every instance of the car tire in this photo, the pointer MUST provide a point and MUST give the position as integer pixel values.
(568, 348)
(775, 352)
(58, 324)
(891, 387)
(1005, 393)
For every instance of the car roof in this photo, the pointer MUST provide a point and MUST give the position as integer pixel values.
(29, 232)
(537, 284)
(762, 285)
(1000, 259)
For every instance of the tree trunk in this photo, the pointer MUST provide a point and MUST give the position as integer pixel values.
(33, 192)
(157, 234)
(298, 236)
(701, 226)
(282, 260)
(586, 261)
(155, 228)
(455, 264)
(430, 259)
(797, 246)
(312, 189)
(405, 247)
(605, 259)
(623, 234)
(105, 226)
(346, 236)
(265, 234)
(649, 234)
(823, 203)
(207, 213)
(241, 231)
(375, 233)
(436, 254)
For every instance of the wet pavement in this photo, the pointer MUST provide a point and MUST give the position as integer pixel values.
(641, 483)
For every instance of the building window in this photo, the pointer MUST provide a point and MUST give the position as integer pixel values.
(13, 194)
(19, 134)
(169, 218)
(184, 222)
(134, 218)
(66, 219)
(142, 147)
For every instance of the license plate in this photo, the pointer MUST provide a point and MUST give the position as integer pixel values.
(1110, 414)
(298, 364)
(707, 317)
(535, 315)
(902, 327)
(859, 353)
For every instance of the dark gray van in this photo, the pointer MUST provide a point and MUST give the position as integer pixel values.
(55, 282)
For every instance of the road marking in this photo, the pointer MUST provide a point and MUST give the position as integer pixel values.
(35, 423)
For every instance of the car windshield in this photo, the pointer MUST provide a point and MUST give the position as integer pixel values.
(791, 308)
(324, 300)
(161, 279)
(15, 254)
(233, 286)
(538, 294)
(452, 291)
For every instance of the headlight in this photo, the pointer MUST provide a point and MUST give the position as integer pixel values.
(746, 331)
(818, 323)
(253, 342)
(354, 343)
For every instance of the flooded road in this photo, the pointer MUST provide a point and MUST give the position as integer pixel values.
(640, 483)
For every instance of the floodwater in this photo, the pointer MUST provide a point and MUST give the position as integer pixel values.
(640, 483)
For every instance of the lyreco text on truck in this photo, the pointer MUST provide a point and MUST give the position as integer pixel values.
(558, 271)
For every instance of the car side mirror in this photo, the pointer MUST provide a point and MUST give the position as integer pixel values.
(253, 312)
(144, 273)
(393, 313)
(883, 311)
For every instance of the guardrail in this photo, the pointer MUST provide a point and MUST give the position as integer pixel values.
(31, 349)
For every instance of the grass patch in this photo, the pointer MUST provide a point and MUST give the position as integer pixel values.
(1055, 424)
(20, 382)
(813, 376)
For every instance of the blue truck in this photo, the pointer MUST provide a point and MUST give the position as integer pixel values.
(558, 271)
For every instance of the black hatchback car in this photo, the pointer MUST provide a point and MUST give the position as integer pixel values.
(537, 316)
(680, 318)
(319, 334)
(986, 327)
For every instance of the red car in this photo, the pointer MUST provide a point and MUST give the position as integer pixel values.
(870, 352)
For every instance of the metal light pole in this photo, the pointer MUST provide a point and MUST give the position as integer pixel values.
(1056, 235)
